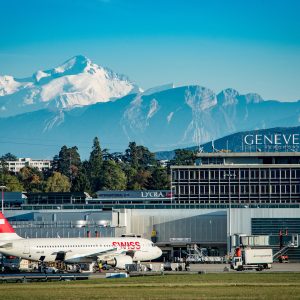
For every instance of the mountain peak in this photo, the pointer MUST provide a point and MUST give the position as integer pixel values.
(80, 58)
(8, 85)
(200, 98)
(253, 98)
(228, 97)
(75, 64)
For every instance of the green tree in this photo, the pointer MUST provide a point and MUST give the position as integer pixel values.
(32, 179)
(68, 162)
(8, 157)
(3, 162)
(131, 155)
(58, 183)
(159, 179)
(139, 157)
(137, 179)
(130, 174)
(81, 182)
(141, 179)
(12, 183)
(139, 164)
(112, 177)
(95, 165)
(116, 156)
(55, 164)
(183, 157)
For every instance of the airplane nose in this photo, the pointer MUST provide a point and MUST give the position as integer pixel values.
(159, 252)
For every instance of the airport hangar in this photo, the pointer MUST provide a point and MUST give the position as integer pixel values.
(250, 193)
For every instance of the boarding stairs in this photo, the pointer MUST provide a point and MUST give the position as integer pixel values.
(196, 254)
(283, 250)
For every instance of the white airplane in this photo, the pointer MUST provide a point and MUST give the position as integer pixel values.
(114, 251)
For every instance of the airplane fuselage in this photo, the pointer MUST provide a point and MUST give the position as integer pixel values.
(75, 250)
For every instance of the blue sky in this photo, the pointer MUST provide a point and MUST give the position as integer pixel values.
(253, 46)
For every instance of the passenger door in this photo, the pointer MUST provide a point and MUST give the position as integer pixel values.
(26, 249)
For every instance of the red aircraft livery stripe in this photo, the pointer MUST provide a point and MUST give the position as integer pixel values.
(5, 227)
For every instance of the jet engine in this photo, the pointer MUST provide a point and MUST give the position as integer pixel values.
(120, 261)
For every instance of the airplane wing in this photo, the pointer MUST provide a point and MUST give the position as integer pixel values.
(102, 253)
(5, 245)
(96, 255)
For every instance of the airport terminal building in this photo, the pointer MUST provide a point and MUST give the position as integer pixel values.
(223, 194)
(238, 178)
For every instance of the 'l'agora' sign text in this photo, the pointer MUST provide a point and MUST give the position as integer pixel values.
(277, 139)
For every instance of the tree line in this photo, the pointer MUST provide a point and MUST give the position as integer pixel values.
(135, 169)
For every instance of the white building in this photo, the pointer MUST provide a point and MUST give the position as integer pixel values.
(16, 166)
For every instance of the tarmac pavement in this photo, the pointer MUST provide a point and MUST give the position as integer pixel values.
(217, 268)
(212, 268)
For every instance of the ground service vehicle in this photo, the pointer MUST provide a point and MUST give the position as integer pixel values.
(247, 259)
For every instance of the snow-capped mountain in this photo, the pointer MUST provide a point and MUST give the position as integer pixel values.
(164, 120)
(77, 82)
(76, 99)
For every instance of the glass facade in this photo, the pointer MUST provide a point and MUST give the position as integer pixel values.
(273, 226)
(55, 198)
(237, 184)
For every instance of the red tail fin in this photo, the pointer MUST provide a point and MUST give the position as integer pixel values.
(5, 227)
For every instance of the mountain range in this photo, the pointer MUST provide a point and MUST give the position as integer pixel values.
(74, 102)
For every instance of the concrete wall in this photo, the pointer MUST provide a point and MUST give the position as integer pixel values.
(67, 232)
(62, 215)
(201, 226)
(67, 223)
(240, 218)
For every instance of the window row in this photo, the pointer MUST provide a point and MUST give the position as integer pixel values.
(70, 246)
(237, 189)
(236, 174)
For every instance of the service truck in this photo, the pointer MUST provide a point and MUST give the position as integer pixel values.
(247, 259)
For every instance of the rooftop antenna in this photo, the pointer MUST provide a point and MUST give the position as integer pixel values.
(200, 149)
(213, 146)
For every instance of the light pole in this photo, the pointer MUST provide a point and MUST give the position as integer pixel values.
(228, 176)
(2, 187)
(229, 217)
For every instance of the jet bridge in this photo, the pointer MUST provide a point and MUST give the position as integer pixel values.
(280, 244)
